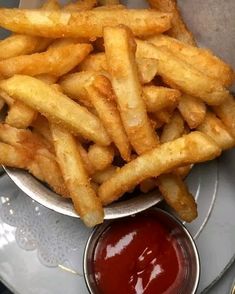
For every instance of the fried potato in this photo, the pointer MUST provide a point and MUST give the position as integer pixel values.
(102, 176)
(41, 126)
(192, 109)
(81, 5)
(192, 148)
(183, 171)
(12, 156)
(101, 96)
(226, 112)
(158, 98)
(147, 185)
(179, 29)
(164, 116)
(2, 103)
(214, 128)
(177, 196)
(173, 130)
(181, 75)
(110, 7)
(94, 62)
(124, 76)
(55, 61)
(147, 69)
(100, 156)
(9, 101)
(108, 2)
(51, 5)
(85, 24)
(84, 198)
(85, 159)
(202, 59)
(56, 107)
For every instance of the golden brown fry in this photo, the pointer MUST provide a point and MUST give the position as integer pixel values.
(51, 5)
(2, 103)
(9, 101)
(226, 112)
(55, 61)
(41, 126)
(85, 24)
(124, 76)
(214, 128)
(20, 115)
(181, 75)
(173, 130)
(85, 159)
(84, 198)
(147, 185)
(193, 148)
(164, 116)
(179, 29)
(202, 59)
(192, 109)
(46, 78)
(102, 176)
(100, 156)
(183, 171)
(81, 5)
(101, 96)
(110, 7)
(108, 2)
(94, 62)
(158, 98)
(177, 196)
(56, 107)
(12, 156)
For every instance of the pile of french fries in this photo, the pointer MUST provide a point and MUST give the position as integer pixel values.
(102, 99)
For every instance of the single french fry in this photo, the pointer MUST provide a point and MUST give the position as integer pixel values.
(12, 156)
(177, 196)
(94, 62)
(193, 148)
(85, 158)
(124, 76)
(101, 96)
(147, 185)
(55, 61)
(202, 59)
(183, 171)
(182, 76)
(192, 109)
(214, 128)
(51, 5)
(158, 98)
(164, 116)
(56, 107)
(173, 130)
(179, 29)
(80, 5)
(84, 198)
(100, 156)
(147, 68)
(46, 78)
(102, 176)
(226, 112)
(85, 24)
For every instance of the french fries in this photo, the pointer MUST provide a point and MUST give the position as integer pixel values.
(102, 176)
(177, 196)
(173, 130)
(13, 157)
(108, 2)
(84, 24)
(147, 185)
(182, 75)
(100, 156)
(202, 59)
(83, 196)
(193, 148)
(192, 109)
(56, 107)
(80, 5)
(179, 29)
(214, 128)
(124, 76)
(46, 62)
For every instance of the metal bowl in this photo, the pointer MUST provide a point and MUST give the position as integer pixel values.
(40, 193)
(180, 232)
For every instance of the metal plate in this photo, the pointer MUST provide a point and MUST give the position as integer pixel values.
(213, 24)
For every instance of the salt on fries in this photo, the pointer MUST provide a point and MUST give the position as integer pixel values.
(100, 101)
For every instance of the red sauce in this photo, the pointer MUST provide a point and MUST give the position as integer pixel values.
(139, 255)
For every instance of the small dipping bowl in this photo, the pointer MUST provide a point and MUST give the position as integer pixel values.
(181, 253)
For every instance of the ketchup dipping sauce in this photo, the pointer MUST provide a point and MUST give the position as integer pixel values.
(149, 253)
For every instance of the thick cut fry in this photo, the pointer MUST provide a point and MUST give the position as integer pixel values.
(192, 109)
(100, 156)
(177, 196)
(81, 5)
(85, 159)
(20, 115)
(55, 61)
(84, 198)
(147, 185)
(94, 62)
(214, 128)
(202, 59)
(147, 69)
(173, 130)
(102, 176)
(101, 98)
(56, 107)
(226, 112)
(192, 148)
(85, 24)
(181, 75)
(124, 76)
(179, 29)
(158, 98)
(14, 156)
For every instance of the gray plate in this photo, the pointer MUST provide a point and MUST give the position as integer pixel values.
(213, 24)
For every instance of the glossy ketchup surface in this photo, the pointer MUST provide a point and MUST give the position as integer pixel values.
(138, 255)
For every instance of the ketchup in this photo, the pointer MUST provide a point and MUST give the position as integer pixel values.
(139, 255)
